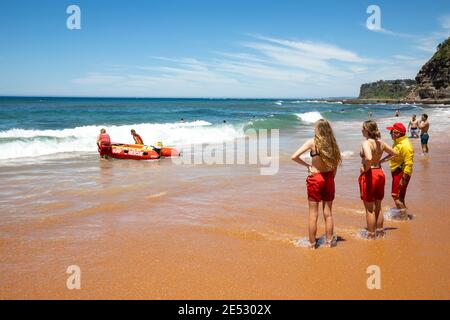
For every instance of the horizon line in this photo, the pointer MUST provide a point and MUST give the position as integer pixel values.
(186, 98)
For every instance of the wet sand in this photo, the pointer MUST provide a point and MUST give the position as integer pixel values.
(160, 231)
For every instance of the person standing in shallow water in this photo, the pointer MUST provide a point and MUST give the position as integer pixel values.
(413, 127)
(424, 137)
(372, 180)
(401, 166)
(104, 144)
(325, 158)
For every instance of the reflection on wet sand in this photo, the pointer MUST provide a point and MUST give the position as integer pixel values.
(158, 230)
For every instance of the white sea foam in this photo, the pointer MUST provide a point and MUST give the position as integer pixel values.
(18, 143)
(347, 154)
(321, 242)
(393, 214)
(309, 117)
(323, 101)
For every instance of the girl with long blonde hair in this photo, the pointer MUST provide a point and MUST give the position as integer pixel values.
(325, 159)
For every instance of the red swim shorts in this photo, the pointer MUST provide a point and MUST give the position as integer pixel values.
(371, 185)
(320, 186)
(105, 150)
(398, 192)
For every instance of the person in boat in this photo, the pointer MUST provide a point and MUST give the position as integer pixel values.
(401, 166)
(372, 179)
(325, 158)
(104, 144)
(137, 138)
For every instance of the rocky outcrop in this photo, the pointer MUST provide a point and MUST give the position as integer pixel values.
(387, 89)
(433, 80)
(432, 83)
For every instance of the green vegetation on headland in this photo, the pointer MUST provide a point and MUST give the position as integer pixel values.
(431, 86)
(387, 89)
(443, 52)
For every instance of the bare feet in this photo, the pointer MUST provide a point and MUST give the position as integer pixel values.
(329, 243)
(403, 214)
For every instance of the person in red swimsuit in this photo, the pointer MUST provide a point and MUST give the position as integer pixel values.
(325, 158)
(372, 179)
(137, 138)
(104, 144)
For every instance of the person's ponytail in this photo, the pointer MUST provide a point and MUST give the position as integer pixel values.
(372, 129)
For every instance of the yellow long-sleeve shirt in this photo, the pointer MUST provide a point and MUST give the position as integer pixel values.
(405, 158)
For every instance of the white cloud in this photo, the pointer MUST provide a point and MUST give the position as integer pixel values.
(391, 33)
(261, 67)
(444, 21)
(429, 43)
(404, 58)
(358, 69)
(317, 50)
(95, 78)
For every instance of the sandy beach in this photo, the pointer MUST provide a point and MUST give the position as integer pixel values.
(142, 230)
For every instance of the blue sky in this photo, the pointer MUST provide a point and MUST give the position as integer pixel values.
(200, 48)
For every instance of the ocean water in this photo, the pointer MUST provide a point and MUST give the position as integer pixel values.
(36, 127)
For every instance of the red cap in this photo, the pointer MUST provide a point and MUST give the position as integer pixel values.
(398, 127)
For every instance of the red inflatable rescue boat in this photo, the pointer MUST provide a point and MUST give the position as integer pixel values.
(141, 152)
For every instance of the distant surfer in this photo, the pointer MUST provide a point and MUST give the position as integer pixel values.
(137, 138)
(325, 158)
(104, 144)
(370, 114)
(424, 127)
(401, 166)
(397, 113)
(182, 120)
(413, 127)
(372, 180)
